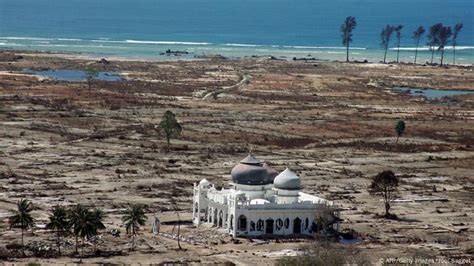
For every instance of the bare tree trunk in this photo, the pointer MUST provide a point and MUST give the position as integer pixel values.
(347, 53)
(454, 54)
(416, 51)
(133, 241)
(442, 55)
(385, 55)
(398, 51)
(432, 54)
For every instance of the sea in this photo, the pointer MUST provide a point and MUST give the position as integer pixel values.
(145, 29)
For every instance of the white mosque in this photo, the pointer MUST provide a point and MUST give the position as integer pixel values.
(260, 201)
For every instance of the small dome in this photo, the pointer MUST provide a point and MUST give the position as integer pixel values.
(272, 173)
(249, 172)
(204, 183)
(287, 180)
(250, 159)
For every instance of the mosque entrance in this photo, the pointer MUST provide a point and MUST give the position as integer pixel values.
(269, 226)
(297, 226)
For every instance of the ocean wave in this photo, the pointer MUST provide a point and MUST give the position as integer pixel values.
(12, 44)
(167, 42)
(242, 45)
(69, 39)
(107, 41)
(323, 47)
(27, 38)
(425, 48)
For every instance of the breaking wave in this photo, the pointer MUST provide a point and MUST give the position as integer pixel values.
(324, 47)
(242, 45)
(167, 42)
(425, 48)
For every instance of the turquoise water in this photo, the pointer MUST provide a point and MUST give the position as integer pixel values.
(434, 94)
(284, 28)
(73, 75)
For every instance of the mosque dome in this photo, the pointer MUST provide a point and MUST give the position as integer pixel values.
(287, 180)
(249, 172)
(272, 173)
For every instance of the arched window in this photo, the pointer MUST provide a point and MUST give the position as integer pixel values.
(215, 217)
(221, 217)
(260, 225)
(306, 223)
(252, 226)
(297, 226)
(287, 223)
(279, 224)
(242, 223)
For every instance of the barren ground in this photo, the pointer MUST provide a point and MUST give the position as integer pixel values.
(333, 123)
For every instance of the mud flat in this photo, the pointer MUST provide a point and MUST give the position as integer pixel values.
(333, 123)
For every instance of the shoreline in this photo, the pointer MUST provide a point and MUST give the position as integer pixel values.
(96, 57)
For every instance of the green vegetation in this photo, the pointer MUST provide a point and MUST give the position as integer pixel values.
(417, 34)
(91, 74)
(22, 217)
(170, 126)
(346, 29)
(58, 223)
(85, 223)
(134, 218)
(399, 129)
(97, 217)
(433, 38)
(444, 35)
(385, 184)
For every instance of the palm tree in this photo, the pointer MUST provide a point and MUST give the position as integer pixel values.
(134, 218)
(398, 30)
(385, 36)
(444, 34)
(76, 214)
(22, 217)
(170, 126)
(98, 217)
(417, 37)
(456, 30)
(85, 226)
(346, 29)
(59, 223)
(433, 38)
